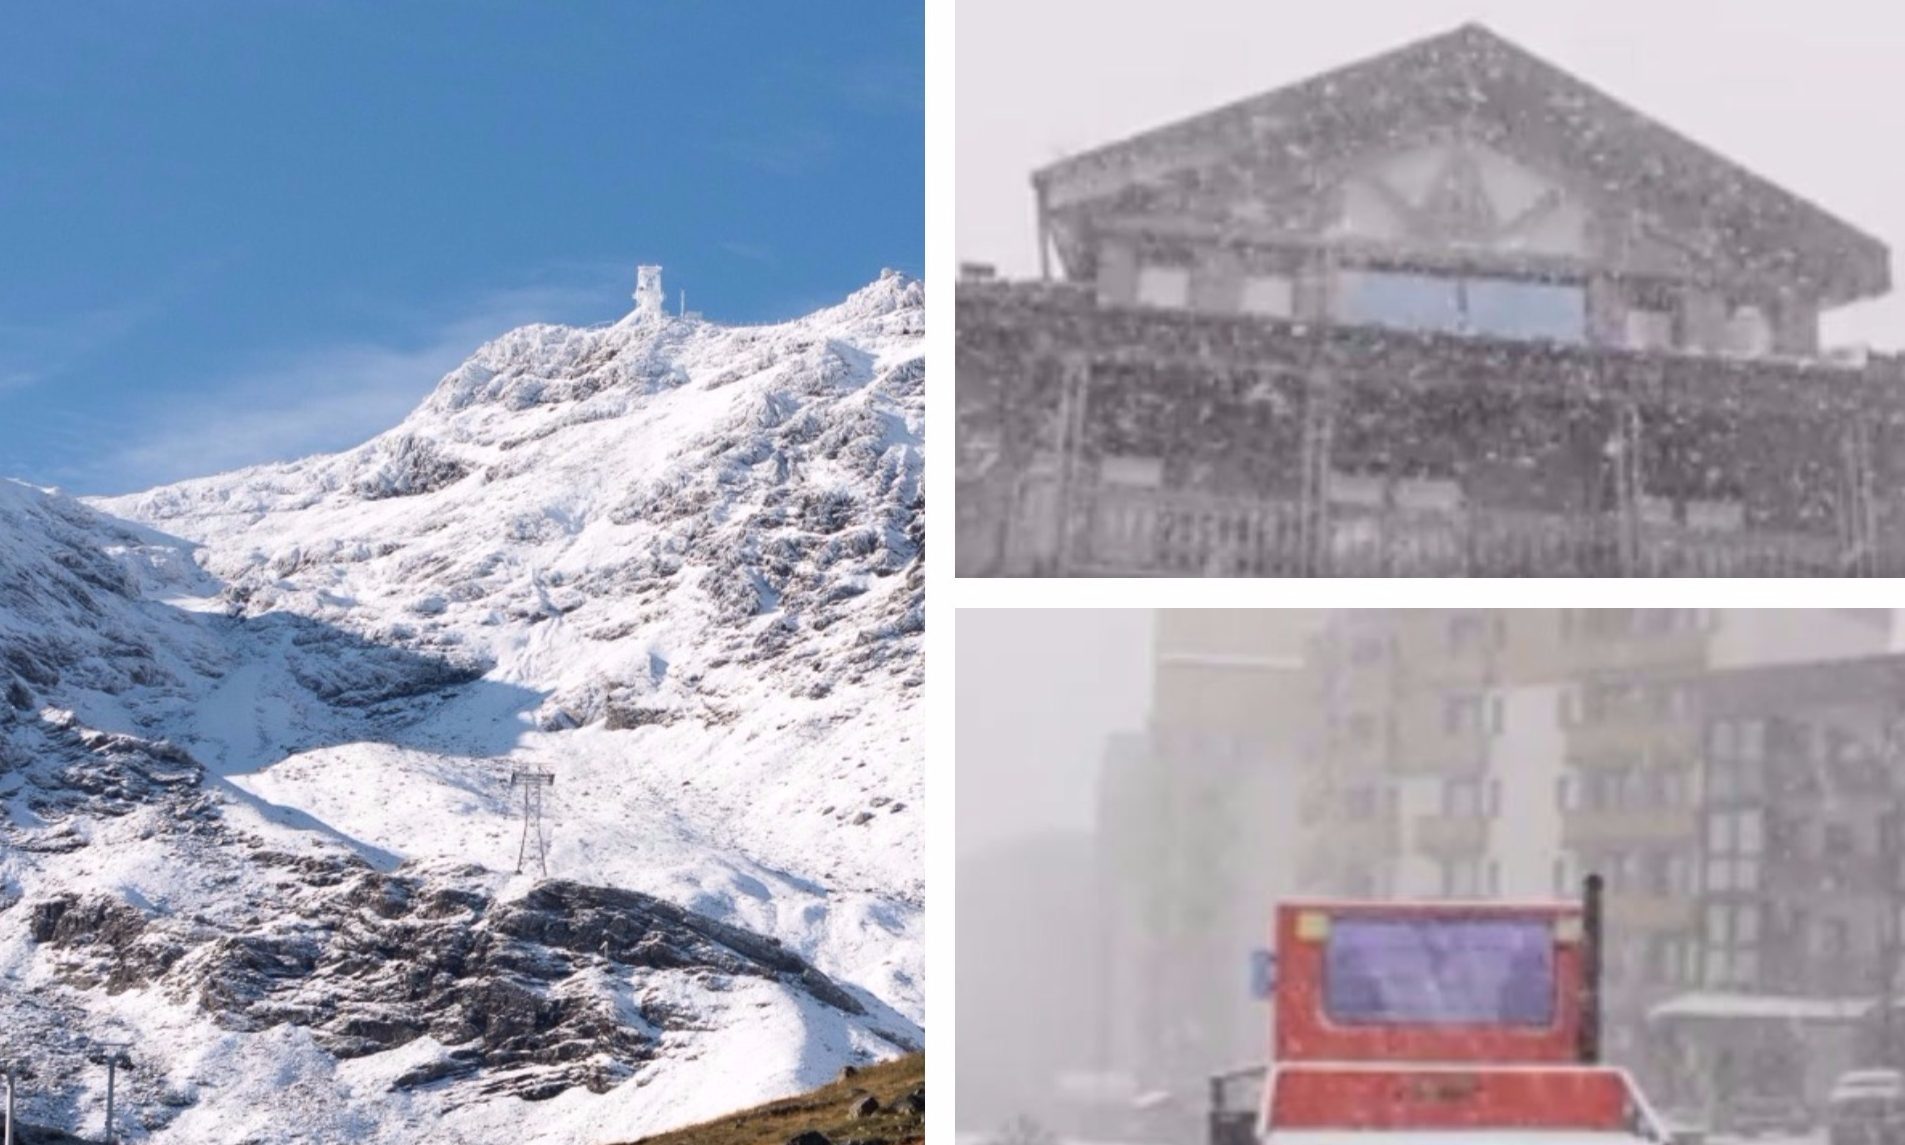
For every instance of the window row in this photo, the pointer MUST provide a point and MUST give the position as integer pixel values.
(1620, 623)
(1736, 832)
(1599, 700)
(1471, 798)
(1471, 878)
(1624, 789)
(1652, 961)
(1652, 871)
(1523, 309)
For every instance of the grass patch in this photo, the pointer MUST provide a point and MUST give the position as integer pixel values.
(823, 1109)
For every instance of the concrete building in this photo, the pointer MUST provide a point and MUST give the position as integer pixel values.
(1198, 835)
(1498, 753)
(1802, 887)
(1446, 311)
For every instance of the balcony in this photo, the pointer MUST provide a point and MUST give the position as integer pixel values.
(1119, 442)
(1451, 835)
(1622, 738)
(1630, 911)
(1629, 827)
(1141, 532)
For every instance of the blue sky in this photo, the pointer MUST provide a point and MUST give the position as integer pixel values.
(236, 231)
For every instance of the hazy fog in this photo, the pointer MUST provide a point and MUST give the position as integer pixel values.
(1037, 693)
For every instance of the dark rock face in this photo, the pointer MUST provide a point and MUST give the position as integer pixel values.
(863, 1107)
(527, 990)
(408, 465)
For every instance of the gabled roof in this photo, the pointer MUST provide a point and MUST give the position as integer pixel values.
(1472, 79)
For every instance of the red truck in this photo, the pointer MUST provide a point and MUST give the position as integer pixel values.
(1436, 1023)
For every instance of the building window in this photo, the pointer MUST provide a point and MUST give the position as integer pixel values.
(1650, 329)
(1748, 333)
(1462, 798)
(1732, 874)
(1462, 878)
(1467, 630)
(1462, 714)
(1368, 649)
(1494, 307)
(1271, 295)
(1164, 286)
(1132, 472)
(1536, 311)
(1835, 938)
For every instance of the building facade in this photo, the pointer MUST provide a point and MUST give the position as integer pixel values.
(1803, 878)
(1198, 833)
(1507, 753)
(1448, 311)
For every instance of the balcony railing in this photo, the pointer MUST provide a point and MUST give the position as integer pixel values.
(1052, 385)
(1640, 910)
(1128, 531)
(1653, 825)
(1451, 834)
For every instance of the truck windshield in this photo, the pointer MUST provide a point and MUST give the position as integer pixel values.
(1439, 971)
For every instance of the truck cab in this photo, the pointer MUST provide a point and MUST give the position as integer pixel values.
(1435, 1023)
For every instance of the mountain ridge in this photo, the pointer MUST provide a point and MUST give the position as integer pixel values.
(676, 564)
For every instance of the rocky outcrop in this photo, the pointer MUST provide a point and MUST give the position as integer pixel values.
(537, 994)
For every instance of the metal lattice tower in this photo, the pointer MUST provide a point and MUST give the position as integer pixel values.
(533, 782)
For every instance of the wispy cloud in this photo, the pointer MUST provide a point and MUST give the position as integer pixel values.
(32, 353)
(793, 151)
(887, 85)
(314, 400)
(752, 252)
(35, 352)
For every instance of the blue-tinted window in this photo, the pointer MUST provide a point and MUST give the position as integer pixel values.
(1505, 308)
(1439, 971)
(1410, 301)
(1495, 307)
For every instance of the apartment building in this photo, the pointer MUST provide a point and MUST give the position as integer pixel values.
(1199, 832)
(1495, 753)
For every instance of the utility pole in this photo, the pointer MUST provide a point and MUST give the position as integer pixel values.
(6, 1072)
(113, 1056)
(533, 782)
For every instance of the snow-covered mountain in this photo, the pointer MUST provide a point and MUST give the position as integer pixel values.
(256, 734)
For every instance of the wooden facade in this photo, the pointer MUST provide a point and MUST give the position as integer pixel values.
(1448, 312)
(1099, 441)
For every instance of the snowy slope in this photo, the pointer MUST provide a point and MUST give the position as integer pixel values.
(673, 563)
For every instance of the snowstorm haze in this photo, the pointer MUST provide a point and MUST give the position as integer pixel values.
(1038, 693)
(1805, 95)
(1135, 791)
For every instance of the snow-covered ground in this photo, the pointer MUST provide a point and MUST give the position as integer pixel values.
(677, 565)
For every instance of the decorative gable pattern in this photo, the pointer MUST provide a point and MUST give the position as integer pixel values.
(1469, 142)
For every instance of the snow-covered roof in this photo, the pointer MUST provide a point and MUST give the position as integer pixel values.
(1722, 1004)
(1473, 80)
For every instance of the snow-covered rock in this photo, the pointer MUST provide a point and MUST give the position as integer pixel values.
(256, 732)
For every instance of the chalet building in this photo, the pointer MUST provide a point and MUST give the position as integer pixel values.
(1448, 311)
